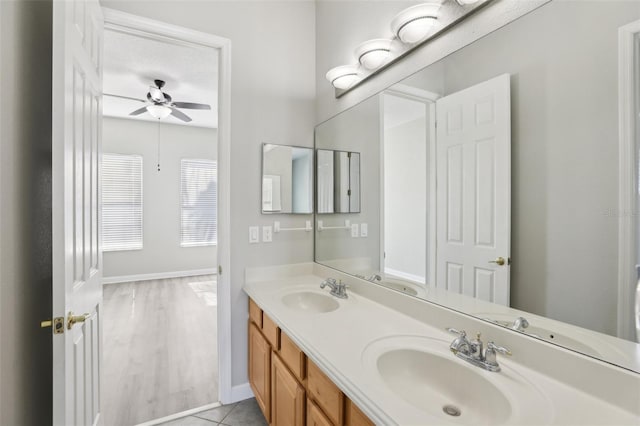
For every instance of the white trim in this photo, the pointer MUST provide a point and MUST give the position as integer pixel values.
(627, 226)
(410, 92)
(120, 21)
(399, 274)
(180, 415)
(158, 276)
(241, 392)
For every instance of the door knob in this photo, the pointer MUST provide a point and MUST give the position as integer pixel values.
(500, 261)
(74, 319)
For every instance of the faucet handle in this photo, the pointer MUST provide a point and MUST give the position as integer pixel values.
(496, 348)
(461, 333)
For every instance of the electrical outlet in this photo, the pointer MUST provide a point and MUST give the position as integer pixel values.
(254, 235)
(267, 234)
(354, 230)
(364, 230)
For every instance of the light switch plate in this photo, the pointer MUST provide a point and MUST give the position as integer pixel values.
(354, 230)
(267, 234)
(254, 235)
(364, 230)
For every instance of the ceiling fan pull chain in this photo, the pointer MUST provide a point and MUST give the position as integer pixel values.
(158, 144)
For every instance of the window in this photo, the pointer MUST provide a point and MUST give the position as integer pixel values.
(121, 202)
(199, 187)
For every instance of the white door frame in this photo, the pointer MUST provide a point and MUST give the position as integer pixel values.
(627, 178)
(136, 25)
(429, 99)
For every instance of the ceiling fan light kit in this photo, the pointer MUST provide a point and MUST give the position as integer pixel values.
(159, 111)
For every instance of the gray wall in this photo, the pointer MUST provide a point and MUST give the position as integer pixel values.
(25, 212)
(356, 130)
(161, 250)
(273, 101)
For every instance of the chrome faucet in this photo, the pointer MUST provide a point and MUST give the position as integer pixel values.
(472, 351)
(338, 288)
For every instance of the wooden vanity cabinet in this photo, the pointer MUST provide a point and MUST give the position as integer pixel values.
(315, 416)
(260, 369)
(355, 417)
(289, 388)
(287, 396)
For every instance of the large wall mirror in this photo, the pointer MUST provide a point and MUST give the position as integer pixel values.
(488, 178)
(287, 179)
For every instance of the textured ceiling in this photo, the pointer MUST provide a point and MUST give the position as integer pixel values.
(131, 63)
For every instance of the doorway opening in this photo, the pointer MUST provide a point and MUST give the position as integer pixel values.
(162, 220)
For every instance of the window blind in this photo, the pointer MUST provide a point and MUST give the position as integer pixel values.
(121, 202)
(199, 203)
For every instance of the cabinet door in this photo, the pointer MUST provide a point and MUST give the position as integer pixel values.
(287, 396)
(355, 417)
(315, 416)
(260, 369)
(325, 393)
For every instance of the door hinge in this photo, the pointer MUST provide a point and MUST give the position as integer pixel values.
(219, 269)
(57, 323)
(349, 192)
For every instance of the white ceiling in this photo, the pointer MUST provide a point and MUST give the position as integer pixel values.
(131, 63)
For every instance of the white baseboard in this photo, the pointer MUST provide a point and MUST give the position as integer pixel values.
(180, 415)
(241, 392)
(158, 276)
(405, 275)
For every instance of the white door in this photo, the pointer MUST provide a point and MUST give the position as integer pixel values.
(77, 261)
(474, 191)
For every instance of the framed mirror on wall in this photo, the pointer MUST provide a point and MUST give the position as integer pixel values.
(487, 186)
(287, 179)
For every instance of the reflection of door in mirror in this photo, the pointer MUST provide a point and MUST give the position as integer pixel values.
(405, 189)
(271, 193)
(473, 156)
(325, 181)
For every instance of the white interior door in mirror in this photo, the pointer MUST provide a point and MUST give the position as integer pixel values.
(77, 262)
(473, 152)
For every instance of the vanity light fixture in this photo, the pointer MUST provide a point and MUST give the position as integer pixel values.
(344, 76)
(373, 53)
(159, 111)
(414, 23)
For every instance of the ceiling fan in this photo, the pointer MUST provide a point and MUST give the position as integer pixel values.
(160, 104)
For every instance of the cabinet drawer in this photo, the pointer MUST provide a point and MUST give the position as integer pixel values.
(355, 417)
(315, 416)
(293, 357)
(255, 313)
(271, 331)
(324, 393)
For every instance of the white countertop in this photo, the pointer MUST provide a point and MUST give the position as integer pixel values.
(337, 340)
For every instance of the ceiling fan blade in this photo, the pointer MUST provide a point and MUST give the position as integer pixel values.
(139, 111)
(180, 115)
(156, 94)
(124, 97)
(191, 105)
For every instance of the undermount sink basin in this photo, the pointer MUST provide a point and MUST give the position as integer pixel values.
(425, 374)
(310, 302)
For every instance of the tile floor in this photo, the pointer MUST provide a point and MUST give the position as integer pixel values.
(244, 413)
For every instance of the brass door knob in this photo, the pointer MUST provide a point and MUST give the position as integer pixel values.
(500, 261)
(74, 319)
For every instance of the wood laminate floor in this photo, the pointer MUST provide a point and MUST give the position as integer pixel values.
(160, 355)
